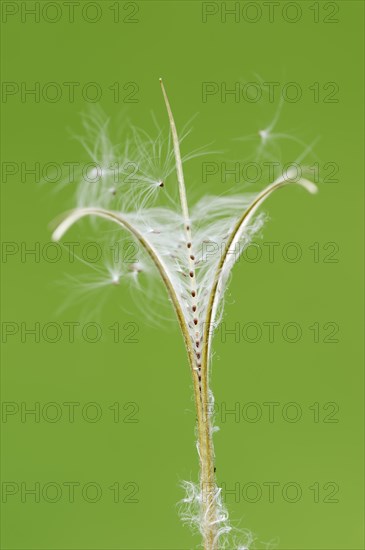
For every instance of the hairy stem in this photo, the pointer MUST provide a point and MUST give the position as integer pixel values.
(208, 489)
(209, 509)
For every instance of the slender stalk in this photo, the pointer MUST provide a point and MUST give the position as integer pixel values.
(233, 238)
(208, 489)
(116, 217)
(187, 225)
(179, 168)
(209, 510)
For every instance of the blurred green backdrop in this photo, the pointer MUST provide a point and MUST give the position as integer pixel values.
(290, 457)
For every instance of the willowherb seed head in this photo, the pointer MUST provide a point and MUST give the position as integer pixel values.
(192, 248)
(195, 248)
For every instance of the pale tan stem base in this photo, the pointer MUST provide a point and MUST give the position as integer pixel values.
(208, 489)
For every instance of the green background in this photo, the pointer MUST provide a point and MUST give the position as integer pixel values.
(158, 451)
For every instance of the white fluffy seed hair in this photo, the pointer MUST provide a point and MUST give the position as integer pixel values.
(194, 252)
(212, 221)
(190, 513)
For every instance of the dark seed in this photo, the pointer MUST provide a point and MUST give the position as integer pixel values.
(194, 308)
(195, 321)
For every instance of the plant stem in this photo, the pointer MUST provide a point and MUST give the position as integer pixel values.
(208, 488)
